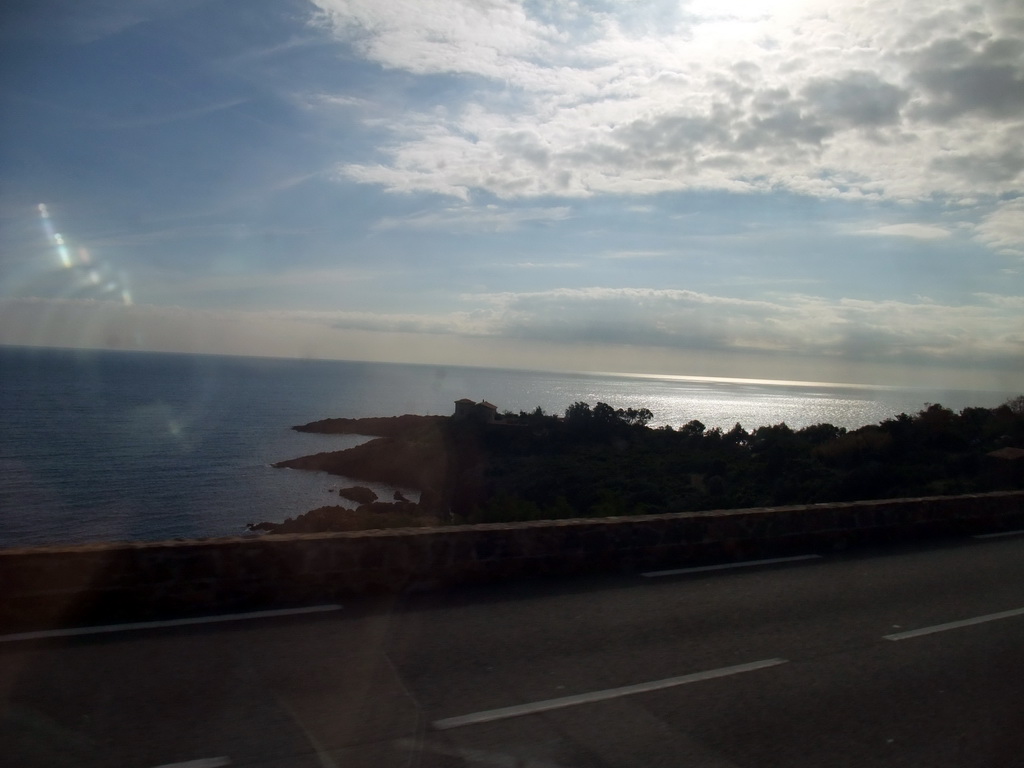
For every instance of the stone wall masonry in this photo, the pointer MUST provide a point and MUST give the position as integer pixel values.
(100, 583)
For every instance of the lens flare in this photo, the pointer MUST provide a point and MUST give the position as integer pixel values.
(62, 251)
(88, 274)
(44, 215)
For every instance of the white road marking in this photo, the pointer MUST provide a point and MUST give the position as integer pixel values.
(46, 634)
(999, 535)
(724, 566)
(547, 705)
(955, 625)
(474, 756)
(206, 762)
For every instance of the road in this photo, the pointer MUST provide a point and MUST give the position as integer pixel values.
(802, 663)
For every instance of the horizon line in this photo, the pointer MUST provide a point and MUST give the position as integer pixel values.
(525, 368)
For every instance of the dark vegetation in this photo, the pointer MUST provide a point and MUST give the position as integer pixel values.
(601, 461)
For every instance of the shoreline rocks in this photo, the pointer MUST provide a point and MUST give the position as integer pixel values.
(360, 494)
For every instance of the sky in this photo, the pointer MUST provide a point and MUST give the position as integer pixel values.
(798, 189)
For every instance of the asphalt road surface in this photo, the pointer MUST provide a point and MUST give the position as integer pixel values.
(912, 657)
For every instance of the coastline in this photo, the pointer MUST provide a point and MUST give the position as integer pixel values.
(478, 467)
(408, 451)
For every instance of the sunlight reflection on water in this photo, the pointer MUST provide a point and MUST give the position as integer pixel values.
(723, 404)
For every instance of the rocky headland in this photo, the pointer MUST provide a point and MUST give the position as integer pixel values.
(407, 451)
(477, 467)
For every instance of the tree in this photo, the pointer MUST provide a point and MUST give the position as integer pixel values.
(604, 414)
(692, 429)
(578, 412)
(737, 435)
(1016, 404)
(634, 416)
(816, 434)
(643, 417)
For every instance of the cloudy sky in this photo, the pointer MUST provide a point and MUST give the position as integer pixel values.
(798, 189)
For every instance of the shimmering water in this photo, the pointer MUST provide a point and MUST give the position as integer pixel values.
(108, 445)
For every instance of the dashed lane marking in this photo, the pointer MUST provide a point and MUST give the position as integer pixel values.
(547, 705)
(955, 625)
(999, 535)
(725, 566)
(46, 634)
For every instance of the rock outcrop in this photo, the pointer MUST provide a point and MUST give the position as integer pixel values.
(360, 494)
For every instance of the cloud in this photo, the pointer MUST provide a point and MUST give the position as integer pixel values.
(1003, 166)
(1010, 303)
(877, 100)
(488, 218)
(433, 36)
(971, 75)
(331, 100)
(244, 281)
(988, 331)
(453, 323)
(545, 265)
(915, 231)
(857, 99)
(638, 255)
(261, 53)
(1003, 229)
(173, 116)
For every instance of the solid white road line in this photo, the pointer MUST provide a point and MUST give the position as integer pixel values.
(999, 535)
(533, 708)
(206, 762)
(955, 625)
(105, 628)
(724, 566)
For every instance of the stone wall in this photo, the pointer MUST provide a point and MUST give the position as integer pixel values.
(148, 580)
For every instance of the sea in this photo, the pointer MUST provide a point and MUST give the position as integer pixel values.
(135, 446)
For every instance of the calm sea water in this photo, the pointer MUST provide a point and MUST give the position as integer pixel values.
(111, 446)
